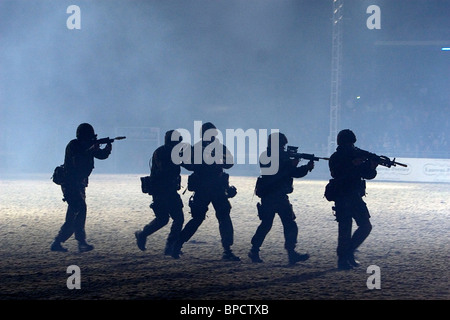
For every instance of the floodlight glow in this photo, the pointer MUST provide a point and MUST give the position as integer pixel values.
(445, 49)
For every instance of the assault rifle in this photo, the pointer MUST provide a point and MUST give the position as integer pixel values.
(108, 140)
(293, 154)
(381, 160)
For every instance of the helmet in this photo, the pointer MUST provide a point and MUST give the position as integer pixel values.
(282, 140)
(346, 136)
(172, 137)
(209, 126)
(85, 132)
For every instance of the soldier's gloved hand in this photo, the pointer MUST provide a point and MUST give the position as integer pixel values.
(108, 147)
(373, 164)
(310, 165)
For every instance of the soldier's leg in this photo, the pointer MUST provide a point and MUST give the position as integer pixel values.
(290, 228)
(75, 217)
(80, 219)
(362, 219)
(161, 211)
(68, 227)
(199, 206)
(344, 218)
(65, 232)
(177, 215)
(344, 237)
(223, 208)
(266, 214)
(80, 222)
(361, 234)
(74, 206)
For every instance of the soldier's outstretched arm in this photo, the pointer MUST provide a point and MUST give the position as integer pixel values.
(300, 172)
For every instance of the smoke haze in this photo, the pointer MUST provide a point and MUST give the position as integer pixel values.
(258, 64)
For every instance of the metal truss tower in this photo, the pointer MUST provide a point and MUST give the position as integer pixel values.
(336, 71)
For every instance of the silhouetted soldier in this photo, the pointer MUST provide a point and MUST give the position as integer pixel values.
(273, 191)
(78, 164)
(165, 179)
(349, 171)
(210, 185)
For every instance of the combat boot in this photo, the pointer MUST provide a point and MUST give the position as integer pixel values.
(56, 246)
(295, 257)
(168, 249)
(343, 264)
(83, 246)
(229, 256)
(352, 261)
(140, 240)
(254, 255)
(176, 250)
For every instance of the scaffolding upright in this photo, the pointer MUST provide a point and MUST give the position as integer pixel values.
(336, 73)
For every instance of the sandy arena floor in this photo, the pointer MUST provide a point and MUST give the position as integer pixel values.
(409, 243)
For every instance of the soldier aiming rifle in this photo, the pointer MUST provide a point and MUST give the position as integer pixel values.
(293, 154)
(350, 167)
(273, 191)
(380, 160)
(108, 140)
(73, 177)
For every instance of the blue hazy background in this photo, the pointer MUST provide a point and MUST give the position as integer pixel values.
(259, 64)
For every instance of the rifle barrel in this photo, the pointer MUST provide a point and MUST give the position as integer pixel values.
(400, 164)
(109, 140)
